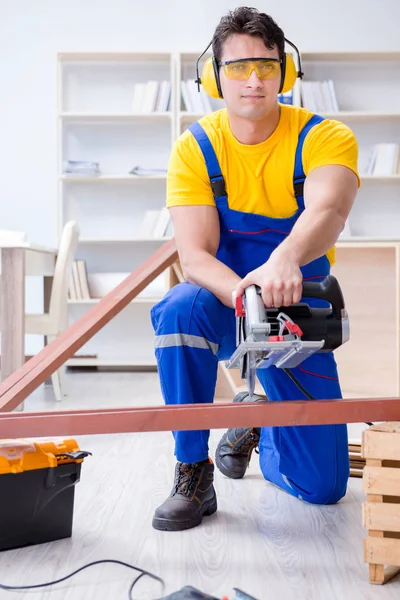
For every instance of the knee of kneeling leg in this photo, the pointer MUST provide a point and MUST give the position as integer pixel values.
(326, 492)
(178, 305)
(175, 302)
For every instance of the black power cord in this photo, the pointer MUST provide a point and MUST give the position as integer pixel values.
(303, 390)
(97, 562)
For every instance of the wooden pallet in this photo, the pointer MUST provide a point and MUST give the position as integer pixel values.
(381, 511)
(357, 462)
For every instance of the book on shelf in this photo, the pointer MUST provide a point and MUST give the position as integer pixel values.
(81, 167)
(152, 96)
(383, 160)
(193, 100)
(319, 96)
(146, 171)
(156, 224)
(78, 284)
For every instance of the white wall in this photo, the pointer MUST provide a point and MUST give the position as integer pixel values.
(32, 31)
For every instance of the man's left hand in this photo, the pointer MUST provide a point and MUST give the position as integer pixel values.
(280, 280)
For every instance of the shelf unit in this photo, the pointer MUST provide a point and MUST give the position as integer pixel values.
(95, 91)
(97, 122)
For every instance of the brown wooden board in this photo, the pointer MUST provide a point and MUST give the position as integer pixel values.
(381, 445)
(197, 417)
(381, 480)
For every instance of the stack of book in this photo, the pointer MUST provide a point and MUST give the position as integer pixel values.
(193, 100)
(81, 167)
(383, 160)
(152, 96)
(357, 462)
(146, 172)
(319, 96)
(156, 224)
(78, 285)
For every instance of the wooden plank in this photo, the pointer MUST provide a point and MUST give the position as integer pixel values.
(356, 456)
(381, 516)
(386, 427)
(382, 551)
(379, 575)
(355, 473)
(194, 417)
(381, 445)
(354, 465)
(356, 461)
(381, 481)
(355, 449)
(376, 571)
(26, 379)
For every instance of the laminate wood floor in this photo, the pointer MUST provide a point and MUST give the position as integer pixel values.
(261, 540)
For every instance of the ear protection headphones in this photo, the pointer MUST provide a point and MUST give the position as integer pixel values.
(211, 82)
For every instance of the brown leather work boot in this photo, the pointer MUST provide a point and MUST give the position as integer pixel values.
(192, 497)
(235, 448)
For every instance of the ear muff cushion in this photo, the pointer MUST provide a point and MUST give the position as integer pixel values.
(290, 74)
(208, 80)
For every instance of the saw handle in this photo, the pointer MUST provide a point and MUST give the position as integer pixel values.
(328, 290)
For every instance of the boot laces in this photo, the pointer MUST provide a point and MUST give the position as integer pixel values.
(186, 478)
(248, 444)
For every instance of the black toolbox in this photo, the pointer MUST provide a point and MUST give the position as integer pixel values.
(37, 489)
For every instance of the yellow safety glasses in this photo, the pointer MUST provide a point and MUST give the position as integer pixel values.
(241, 69)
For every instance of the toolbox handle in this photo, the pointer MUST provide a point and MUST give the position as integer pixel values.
(328, 289)
(78, 455)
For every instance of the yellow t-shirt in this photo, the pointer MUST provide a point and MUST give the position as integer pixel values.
(259, 177)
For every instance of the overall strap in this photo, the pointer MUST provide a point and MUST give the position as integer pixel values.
(299, 176)
(217, 181)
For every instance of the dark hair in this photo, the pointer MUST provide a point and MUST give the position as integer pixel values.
(251, 22)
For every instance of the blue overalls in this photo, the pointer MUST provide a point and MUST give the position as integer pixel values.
(194, 331)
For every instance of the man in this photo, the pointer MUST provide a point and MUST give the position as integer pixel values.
(257, 229)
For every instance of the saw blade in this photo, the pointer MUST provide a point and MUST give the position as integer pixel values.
(250, 375)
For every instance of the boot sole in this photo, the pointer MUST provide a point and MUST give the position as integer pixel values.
(221, 467)
(208, 509)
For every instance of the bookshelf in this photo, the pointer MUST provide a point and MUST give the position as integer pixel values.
(96, 122)
(117, 110)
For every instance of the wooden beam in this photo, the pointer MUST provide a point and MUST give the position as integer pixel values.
(25, 380)
(198, 416)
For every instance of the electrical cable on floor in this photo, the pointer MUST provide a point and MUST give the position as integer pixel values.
(302, 389)
(97, 562)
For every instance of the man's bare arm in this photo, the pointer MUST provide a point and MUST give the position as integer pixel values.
(197, 236)
(329, 193)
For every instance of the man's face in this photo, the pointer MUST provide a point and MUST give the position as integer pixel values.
(251, 98)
